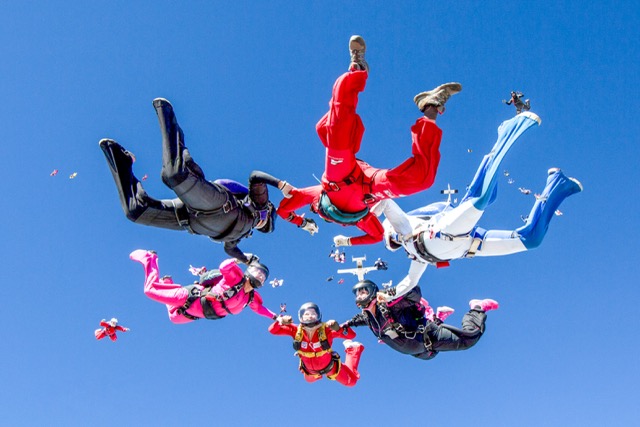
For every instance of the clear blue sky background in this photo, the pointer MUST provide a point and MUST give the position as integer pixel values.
(248, 83)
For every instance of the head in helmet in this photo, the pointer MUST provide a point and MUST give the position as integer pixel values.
(264, 209)
(309, 314)
(257, 273)
(113, 322)
(266, 218)
(365, 292)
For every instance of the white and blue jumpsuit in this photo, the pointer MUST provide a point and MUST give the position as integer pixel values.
(438, 233)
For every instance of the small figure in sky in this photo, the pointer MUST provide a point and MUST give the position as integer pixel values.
(338, 256)
(516, 100)
(109, 329)
(380, 264)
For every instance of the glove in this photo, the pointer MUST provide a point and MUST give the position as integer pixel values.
(333, 325)
(285, 320)
(286, 188)
(341, 240)
(309, 225)
(251, 258)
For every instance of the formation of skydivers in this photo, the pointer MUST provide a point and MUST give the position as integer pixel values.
(351, 192)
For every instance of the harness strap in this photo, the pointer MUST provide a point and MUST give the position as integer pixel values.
(335, 359)
(182, 216)
(474, 247)
(353, 177)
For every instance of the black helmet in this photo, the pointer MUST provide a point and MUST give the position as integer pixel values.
(309, 306)
(257, 273)
(370, 287)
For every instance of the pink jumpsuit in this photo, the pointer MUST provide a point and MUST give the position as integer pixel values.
(348, 180)
(174, 296)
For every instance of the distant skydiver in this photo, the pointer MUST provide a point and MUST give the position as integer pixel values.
(312, 341)
(402, 325)
(516, 100)
(438, 233)
(350, 186)
(218, 294)
(224, 210)
(109, 329)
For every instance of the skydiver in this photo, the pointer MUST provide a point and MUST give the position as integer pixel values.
(224, 292)
(350, 186)
(312, 340)
(109, 329)
(516, 100)
(402, 324)
(224, 210)
(438, 233)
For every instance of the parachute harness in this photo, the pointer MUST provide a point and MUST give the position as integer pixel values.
(393, 328)
(326, 348)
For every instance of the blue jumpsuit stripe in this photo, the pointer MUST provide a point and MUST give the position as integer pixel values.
(558, 188)
(484, 183)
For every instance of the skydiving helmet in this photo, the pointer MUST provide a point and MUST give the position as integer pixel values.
(309, 314)
(363, 299)
(257, 273)
(264, 209)
(266, 218)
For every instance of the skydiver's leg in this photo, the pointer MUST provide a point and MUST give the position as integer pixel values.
(162, 291)
(341, 129)
(418, 172)
(482, 189)
(113, 337)
(348, 374)
(137, 205)
(179, 171)
(100, 333)
(447, 338)
(530, 235)
(311, 378)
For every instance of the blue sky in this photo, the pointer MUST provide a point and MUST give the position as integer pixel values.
(248, 83)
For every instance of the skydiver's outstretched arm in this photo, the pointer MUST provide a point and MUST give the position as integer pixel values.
(359, 319)
(371, 225)
(258, 308)
(416, 269)
(231, 248)
(299, 197)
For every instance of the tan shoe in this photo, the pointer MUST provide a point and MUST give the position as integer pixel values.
(357, 48)
(437, 97)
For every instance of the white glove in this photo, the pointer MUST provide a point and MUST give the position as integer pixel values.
(286, 188)
(341, 240)
(309, 225)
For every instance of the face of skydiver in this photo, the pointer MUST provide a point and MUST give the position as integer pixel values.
(362, 296)
(257, 274)
(309, 316)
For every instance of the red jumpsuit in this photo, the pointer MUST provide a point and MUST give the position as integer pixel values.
(109, 331)
(314, 358)
(349, 181)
